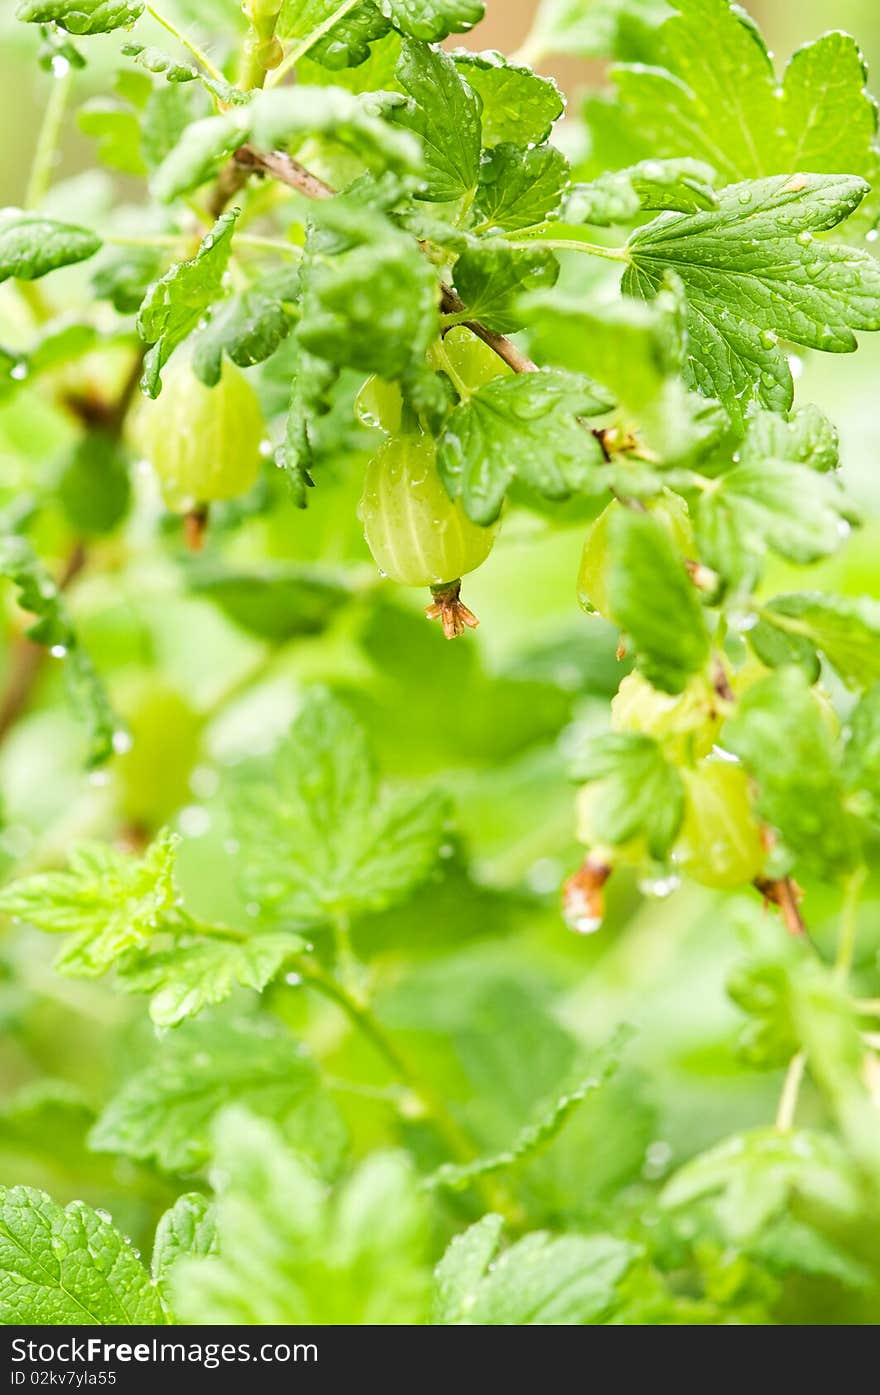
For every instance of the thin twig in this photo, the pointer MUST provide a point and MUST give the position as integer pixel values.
(290, 172)
(460, 1145)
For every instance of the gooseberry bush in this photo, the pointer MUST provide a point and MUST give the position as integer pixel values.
(348, 322)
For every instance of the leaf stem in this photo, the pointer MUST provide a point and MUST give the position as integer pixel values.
(846, 941)
(443, 1121)
(47, 141)
(193, 48)
(790, 1091)
(570, 244)
(295, 54)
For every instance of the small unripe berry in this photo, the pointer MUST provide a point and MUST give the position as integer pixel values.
(203, 443)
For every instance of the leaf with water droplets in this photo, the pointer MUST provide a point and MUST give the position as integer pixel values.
(519, 187)
(445, 114)
(107, 900)
(174, 305)
(527, 427)
(249, 326)
(518, 105)
(634, 792)
(750, 509)
(81, 16)
(491, 277)
(350, 847)
(846, 629)
(709, 90)
(781, 733)
(31, 246)
(68, 1266)
(165, 1112)
(568, 1280)
(198, 973)
(188, 1230)
(754, 271)
(619, 196)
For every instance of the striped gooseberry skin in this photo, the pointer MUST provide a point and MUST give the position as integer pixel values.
(203, 443)
(418, 535)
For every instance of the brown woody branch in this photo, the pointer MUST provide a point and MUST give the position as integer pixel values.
(290, 172)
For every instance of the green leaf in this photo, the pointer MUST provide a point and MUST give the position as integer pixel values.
(108, 901)
(81, 16)
(806, 437)
(287, 116)
(753, 271)
(845, 629)
(68, 1266)
(491, 277)
(749, 510)
(588, 28)
(716, 98)
(345, 43)
(754, 1177)
(518, 105)
(290, 1253)
(189, 977)
(124, 274)
(652, 599)
(536, 1136)
(94, 488)
(31, 246)
(187, 1231)
(174, 305)
(445, 114)
(781, 733)
(349, 847)
(525, 427)
(277, 603)
(684, 186)
(432, 20)
(635, 350)
(519, 186)
(542, 1280)
(169, 110)
(39, 594)
(117, 129)
(861, 756)
(160, 65)
(165, 1113)
(248, 327)
(639, 794)
(197, 157)
(373, 307)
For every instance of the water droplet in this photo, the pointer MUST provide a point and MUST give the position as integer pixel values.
(204, 782)
(658, 1156)
(659, 887)
(194, 821)
(122, 741)
(266, 448)
(294, 980)
(60, 65)
(58, 651)
(872, 235)
(19, 372)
